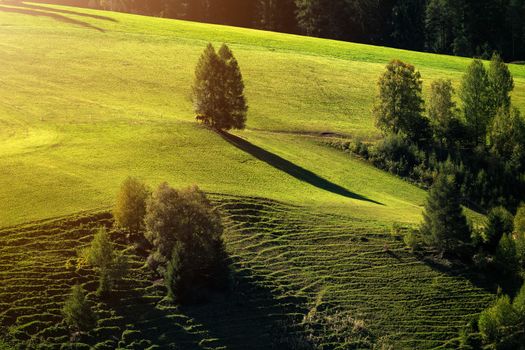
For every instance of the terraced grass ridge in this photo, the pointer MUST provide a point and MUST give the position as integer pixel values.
(88, 98)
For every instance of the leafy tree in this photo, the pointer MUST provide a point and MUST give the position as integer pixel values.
(77, 310)
(475, 96)
(498, 324)
(219, 90)
(178, 216)
(506, 255)
(400, 105)
(507, 135)
(443, 113)
(499, 223)
(186, 233)
(501, 84)
(444, 225)
(130, 206)
(110, 265)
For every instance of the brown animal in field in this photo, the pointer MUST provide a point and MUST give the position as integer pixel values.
(202, 118)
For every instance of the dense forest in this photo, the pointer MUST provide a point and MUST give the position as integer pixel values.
(460, 27)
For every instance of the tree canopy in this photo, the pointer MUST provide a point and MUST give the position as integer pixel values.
(218, 90)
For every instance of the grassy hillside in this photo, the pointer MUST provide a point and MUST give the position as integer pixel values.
(298, 272)
(89, 97)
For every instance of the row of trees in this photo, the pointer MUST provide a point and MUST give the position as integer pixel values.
(461, 27)
(180, 230)
(482, 141)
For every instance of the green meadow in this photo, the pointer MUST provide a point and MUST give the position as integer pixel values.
(88, 98)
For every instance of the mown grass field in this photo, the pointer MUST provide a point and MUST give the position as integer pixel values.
(89, 97)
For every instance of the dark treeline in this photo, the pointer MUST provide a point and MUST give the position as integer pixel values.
(460, 27)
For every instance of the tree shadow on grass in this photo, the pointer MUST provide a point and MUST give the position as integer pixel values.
(250, 316)
(55, 16)
(489, 279)
(291, 168)
(52, 9)
(246, 317)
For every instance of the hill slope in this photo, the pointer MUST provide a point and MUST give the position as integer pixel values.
(90, 97)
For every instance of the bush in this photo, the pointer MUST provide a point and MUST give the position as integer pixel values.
(502, 325)
(413, 240)
(130, 206)
(77, 310)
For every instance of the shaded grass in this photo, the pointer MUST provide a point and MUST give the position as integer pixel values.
(289, 262)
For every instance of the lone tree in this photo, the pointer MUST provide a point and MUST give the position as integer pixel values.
(130, 206)
(400, 106)
(77, 311)
(218, 90)
(109, 264)
(186, 234)
(475, 96)
(445, 226)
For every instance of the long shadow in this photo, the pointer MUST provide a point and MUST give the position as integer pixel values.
(488, 279)
(67, 12)
(291, 168)
(250, 316)
(55, 16)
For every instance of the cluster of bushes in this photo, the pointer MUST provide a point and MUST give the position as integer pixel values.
(181, 233)
(483, 143)
(501, 326)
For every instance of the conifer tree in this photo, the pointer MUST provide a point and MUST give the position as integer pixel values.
(219, 90)
(109, 264)
(475, 96)
(234, 89)
(77, 311)
(445, 226)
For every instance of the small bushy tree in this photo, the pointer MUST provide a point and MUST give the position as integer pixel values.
(186, 234)
(77, 311)
(130, 206)
(443, 113)
(445, 226)
(507, 135)
(399, 104)
(499, 223)
(501, 84)
(519, 220)
(506, 255)
(497, 323)
(218, 90)
(109, 264)
(475, 96)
